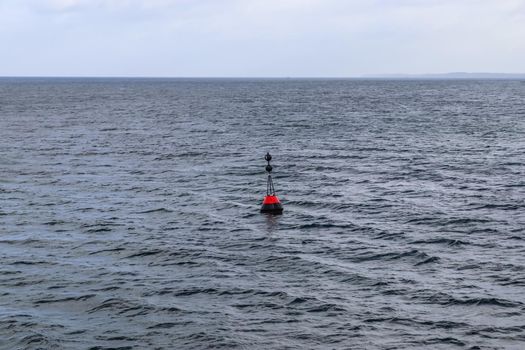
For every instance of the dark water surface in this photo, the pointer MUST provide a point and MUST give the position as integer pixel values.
(129, 214)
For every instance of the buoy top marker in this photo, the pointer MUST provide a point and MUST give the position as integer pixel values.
(271, 203)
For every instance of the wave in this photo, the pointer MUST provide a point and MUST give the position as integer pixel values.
(145, 253)
(66, 299)
(156, 210)
(441, 240)
(448, 300)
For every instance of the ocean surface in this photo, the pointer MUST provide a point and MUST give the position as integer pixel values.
(129, 214)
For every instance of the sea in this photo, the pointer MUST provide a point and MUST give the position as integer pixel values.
(129, 214)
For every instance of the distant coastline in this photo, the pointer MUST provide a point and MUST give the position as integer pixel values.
(454, 75)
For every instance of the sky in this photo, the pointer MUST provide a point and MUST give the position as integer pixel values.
(260, 38)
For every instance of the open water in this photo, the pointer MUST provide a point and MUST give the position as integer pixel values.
(129, 214)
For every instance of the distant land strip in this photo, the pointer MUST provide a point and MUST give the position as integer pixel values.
(455, 75)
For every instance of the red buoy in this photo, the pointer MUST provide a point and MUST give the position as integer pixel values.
(271, 203)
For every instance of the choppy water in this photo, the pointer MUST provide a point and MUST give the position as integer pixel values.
(129, 214)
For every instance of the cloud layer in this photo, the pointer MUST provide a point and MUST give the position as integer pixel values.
(260, 37)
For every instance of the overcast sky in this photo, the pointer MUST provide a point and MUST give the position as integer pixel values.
(263, 38)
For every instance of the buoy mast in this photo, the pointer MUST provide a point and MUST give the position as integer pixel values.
(271, 203)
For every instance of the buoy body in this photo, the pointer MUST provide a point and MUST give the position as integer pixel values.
(271, 204)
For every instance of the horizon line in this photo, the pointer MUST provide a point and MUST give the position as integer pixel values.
(449, 75)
